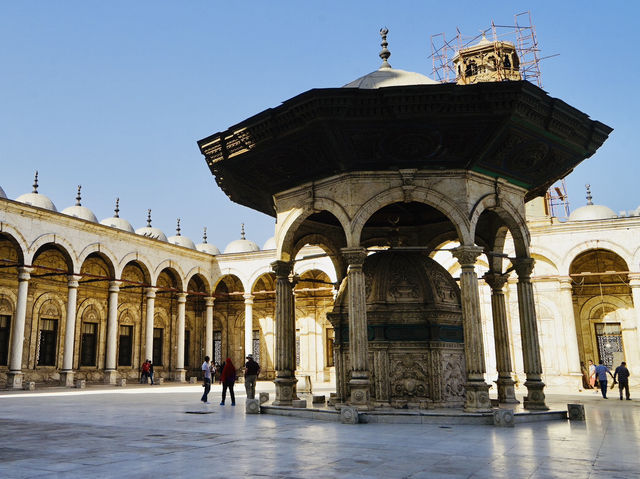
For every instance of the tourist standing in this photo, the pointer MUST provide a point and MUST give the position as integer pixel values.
(621, 375)
(228, 379)
(206, 378)
(144, 372)
(592, 374)
(251, 371)
(601, 373)
(150, 370)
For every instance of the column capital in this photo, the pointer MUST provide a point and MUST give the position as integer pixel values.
(467, 255)
(354, 256)
(73, 279)
(182, 297)
(248, 298)
(634, 280)
(150, 291)
(495, 280)
(566, 283)
(209, 300)
(524, 267)
(282, 269)
(114, 286)
(24, 273)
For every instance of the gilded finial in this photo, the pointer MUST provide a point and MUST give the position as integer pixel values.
(385, 53)
(589, 198)
(117, 210)
(178, 228)
(79, 196)
(35, 183)
(149, 218)
(242, 232)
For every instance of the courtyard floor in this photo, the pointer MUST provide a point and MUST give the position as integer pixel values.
(149, 431)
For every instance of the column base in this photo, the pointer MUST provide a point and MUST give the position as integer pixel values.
(180, 376)
(477, 397)
(535, 396)
(110, 376)
(14, 379)
(359, 396)
(506, 391)
(285, 391)
(66, 379)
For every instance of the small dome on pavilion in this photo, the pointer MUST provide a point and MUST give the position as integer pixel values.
(591, 211)
(36, 199)
(386, 76)
(79, 211)
(180, 240)
(151, 232)
(270, 244)
(241, 245)
(206, 247)
(116, 222)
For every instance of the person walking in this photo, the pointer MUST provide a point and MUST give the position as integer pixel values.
(228, 379)
(621, 374)
(251, 371)
(207, 369)
(150, 371)
(601, 373)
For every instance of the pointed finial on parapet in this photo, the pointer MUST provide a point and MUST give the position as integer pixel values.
(204, 235)
(178, 228)
(589, 198)
(385, 53)
(79, 196)
(149, 218)
(35, 183)
(117, 210)
(242, 232)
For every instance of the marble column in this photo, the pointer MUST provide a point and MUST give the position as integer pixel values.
(248, 323)
(179, 374)
(529, 336)
(570, 333)
(67, 374)
(285, 335)
(477, 390)
(358, 342)
(505, 383)
(208, 347)
(634, 284)
(14, 376)
(150, 312)
(110, 373)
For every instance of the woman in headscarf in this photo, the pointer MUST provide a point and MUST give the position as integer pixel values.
(228, 379)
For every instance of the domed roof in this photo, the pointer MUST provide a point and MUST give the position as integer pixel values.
(206, 247)
(80, 211)
(591, 211)
(116, 222)
(150, 232)
(270, 244)
(36, 199)
(386, 76)
(241, 245)
(180, 240)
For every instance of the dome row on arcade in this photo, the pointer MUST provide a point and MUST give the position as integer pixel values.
(39, 200)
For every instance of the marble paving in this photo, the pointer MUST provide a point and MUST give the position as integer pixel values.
(145, 432)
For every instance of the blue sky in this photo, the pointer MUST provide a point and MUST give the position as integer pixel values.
(114, 95)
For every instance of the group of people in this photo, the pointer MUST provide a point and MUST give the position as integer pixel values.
(146, 372)
(598, 374)
(228, 377)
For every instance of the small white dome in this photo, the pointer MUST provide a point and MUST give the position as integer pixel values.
(208, 248)
(37, 200)
(592, 212)
(386, 77)
(151, 232)
(119, 223)
(2, 193)
(270, 244)
(81, 212)
(180, 240)
(241, 246)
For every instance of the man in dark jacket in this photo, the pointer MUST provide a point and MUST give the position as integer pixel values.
(621, 375)
(251, 371)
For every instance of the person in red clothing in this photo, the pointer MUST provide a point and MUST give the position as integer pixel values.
(228, 379)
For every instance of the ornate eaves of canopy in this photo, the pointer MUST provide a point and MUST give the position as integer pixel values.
(512, 130)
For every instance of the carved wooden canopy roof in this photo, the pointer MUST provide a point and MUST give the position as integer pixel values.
(513, 130)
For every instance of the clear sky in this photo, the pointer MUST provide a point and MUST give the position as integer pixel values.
(114, 95)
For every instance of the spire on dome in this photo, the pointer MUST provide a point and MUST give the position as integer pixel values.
(149, 218)
(79, 196)
(35, 183)
(204, 235)
(178, 228)
(385, 53)
(242, 232)
(589, 198)
(117, 210)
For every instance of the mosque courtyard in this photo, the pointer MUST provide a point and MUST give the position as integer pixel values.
(144, 431)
